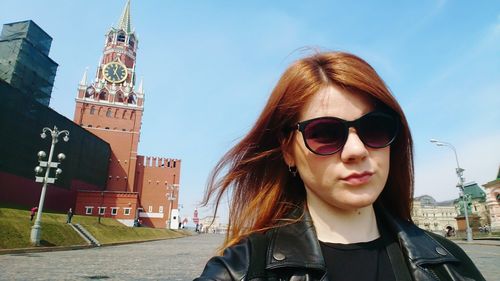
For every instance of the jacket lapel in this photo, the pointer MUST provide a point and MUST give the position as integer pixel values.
(418, 246)
(295, 245)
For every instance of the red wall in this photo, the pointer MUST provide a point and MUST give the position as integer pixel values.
(26, 192)
(122, 133)
(154, 180)
(107, 199)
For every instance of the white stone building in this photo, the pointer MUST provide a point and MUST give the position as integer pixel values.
(492, 189)
(210, 225)
(434, 216)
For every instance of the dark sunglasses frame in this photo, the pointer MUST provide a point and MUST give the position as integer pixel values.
(301, 126)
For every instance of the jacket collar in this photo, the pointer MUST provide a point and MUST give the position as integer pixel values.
(296, 244)
(417, 245)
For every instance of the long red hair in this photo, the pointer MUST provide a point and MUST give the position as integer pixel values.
(254, 172)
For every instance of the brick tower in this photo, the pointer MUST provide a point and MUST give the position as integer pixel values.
(111, 106)
(139, 189)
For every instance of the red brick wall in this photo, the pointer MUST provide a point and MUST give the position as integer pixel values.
(121, 130)
(155, 179)
(26, 192)
(107, 199)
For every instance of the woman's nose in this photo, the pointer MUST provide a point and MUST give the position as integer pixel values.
(354, 149)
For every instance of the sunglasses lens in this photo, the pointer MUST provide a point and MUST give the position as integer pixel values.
(325, 136)
(378, 130)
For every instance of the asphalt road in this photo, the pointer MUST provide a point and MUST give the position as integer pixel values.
(174, 259)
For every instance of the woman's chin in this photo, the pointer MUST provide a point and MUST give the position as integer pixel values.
(355, 203)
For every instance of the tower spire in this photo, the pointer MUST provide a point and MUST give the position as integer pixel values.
(83, 82)
(124, 22)
(140, 91)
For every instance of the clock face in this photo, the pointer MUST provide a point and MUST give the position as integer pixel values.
(115, 72)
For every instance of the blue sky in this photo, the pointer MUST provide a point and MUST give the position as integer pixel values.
(209, 66)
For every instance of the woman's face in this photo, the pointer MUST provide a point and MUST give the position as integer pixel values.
(355, 176)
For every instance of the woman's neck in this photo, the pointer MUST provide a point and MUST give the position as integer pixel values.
(336, 225)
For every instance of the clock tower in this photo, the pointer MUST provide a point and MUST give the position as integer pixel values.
(111, 106)
(140, 190)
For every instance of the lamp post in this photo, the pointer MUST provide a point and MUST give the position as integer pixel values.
(170, 197)
(102, 202)
(55, 133)
(460, 185)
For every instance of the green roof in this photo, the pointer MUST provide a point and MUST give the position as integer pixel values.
(474, 190)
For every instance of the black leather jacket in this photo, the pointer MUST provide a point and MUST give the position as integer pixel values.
(292, 252)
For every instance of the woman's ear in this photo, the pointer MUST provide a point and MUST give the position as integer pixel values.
(286, 148)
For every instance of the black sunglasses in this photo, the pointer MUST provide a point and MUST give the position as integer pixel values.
(328, 135)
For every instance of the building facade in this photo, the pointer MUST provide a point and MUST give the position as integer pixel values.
(26, 78)
(477, 210)
(434, 216)
(492, 189)
(210, 225)
(24, 60)
(111, 106)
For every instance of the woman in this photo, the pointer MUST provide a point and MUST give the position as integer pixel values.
(323, 183)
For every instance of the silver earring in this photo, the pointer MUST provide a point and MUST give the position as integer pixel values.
(292, 170)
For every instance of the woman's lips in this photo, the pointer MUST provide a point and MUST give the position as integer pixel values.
(358, 179)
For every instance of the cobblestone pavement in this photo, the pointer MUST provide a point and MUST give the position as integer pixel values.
(486, 258)
(174, 259)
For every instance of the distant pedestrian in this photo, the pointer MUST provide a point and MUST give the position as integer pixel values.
(33, 212)
(70, 215)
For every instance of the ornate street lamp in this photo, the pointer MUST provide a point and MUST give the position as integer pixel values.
(170, 197)
(460, 185)
(49, 164)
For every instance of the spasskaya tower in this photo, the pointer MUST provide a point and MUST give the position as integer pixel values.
(111, 106)
(140, 189)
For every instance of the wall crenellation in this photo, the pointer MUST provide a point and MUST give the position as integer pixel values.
(160, 162)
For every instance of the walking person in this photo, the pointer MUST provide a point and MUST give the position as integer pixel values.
(322, 186)
(70, 215)
(33, 212)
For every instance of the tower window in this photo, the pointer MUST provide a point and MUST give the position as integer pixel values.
(131, 43)
(92, 110)
(89, 92)
(131, 99)
(108, 113)
(121, 37)
(102, 96)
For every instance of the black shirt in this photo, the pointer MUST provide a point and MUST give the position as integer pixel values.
(365, 261)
